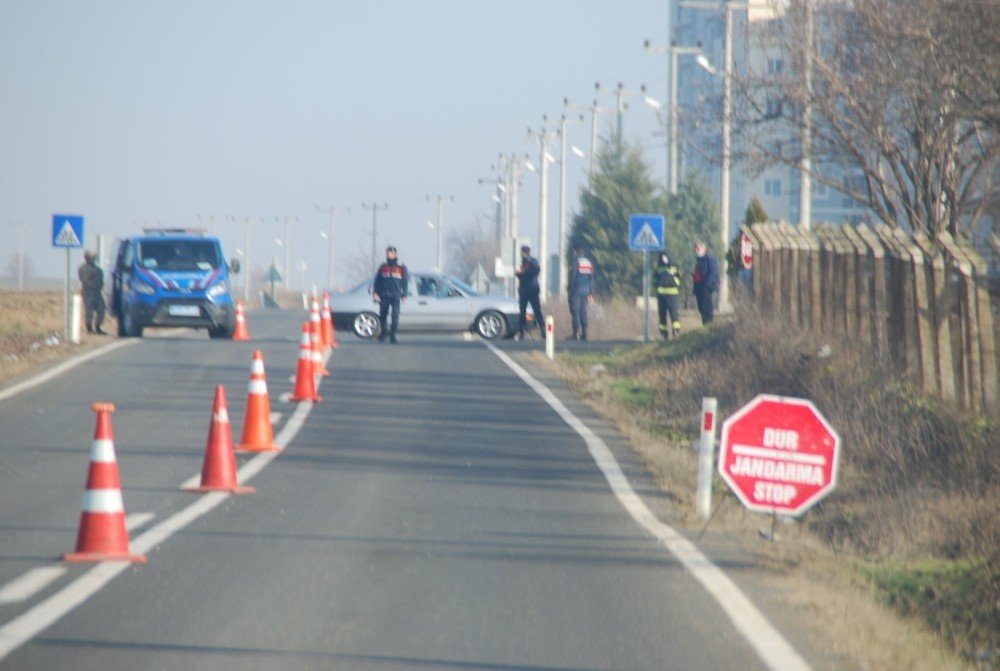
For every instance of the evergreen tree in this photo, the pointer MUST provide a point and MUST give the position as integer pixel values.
(621, 187)
(755, 213)
(692, 216)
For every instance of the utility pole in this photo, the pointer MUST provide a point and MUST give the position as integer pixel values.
(288, 269)
(544, 137)
(563, 268)
(620, 105)
(595, 112)
(332, 211)
(20, 252)
(440, 232)
(375, 207)
(805, 163)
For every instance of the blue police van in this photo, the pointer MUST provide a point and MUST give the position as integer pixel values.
(172, 277)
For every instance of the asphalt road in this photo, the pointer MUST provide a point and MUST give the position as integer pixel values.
(431, 513)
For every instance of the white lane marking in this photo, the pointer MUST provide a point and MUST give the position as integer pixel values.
(275, 418)
(772, 648)
(285, 397)
(29, 584)
(62, 368)
(136, 520)
(467, 337)
(37, 619)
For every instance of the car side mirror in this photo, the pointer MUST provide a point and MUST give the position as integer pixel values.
(234, 266)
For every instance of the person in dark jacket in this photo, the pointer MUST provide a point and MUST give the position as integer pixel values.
(92, 291)
(527, 291)
(580, 289)
(706, 281)
(390, 287)
(667, 280)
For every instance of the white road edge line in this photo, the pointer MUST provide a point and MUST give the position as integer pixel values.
(32, 622)
(30, 583)
(56, 371)
(770, 646)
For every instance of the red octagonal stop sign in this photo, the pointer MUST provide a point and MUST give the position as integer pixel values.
(779, 454)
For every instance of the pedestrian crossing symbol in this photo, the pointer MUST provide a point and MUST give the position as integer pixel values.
(67, 231)
(645, 232)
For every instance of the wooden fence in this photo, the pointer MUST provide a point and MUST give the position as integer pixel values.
(925, 305)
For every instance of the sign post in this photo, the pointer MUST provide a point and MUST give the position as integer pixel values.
(779, 455)
(67, 232)
(645, 234)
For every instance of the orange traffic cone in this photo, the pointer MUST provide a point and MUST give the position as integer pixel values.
(218, 472)
(305, 381)
(315, 329)
(241, 332)
(258, 436)
(102, 535)
(327, 319)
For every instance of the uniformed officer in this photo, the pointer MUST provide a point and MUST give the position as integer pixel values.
(92, 290)
(667, 279)
(580, 289)
(389, 288)
(528, 291)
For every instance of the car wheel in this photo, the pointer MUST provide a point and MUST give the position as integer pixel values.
(127, 327)
(223, 332)
(366, 325)
(491, 325)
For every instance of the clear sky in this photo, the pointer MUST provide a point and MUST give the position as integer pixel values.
(133, 111)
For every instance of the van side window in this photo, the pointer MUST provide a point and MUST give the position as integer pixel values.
(128, 255)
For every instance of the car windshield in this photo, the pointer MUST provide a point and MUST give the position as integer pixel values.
(463, 287)
(179, 254)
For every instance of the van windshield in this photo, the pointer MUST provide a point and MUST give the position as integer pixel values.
(178, 254)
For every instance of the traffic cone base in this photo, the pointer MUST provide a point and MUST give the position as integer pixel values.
(102, 535)
(218, 473)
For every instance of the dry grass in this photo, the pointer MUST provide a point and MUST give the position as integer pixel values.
(918, 481)
(30, 319)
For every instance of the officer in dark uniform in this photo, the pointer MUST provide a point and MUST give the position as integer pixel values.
(92, 290)
(528, 290)
(667, 279)
(580, 288)
(390, 287)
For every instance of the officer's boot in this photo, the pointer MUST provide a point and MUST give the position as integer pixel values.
(583, 334)
(572, 337)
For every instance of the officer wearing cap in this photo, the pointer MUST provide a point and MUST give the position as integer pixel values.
(389, 288)
(528, 291)
(92, 290)
(580, 289)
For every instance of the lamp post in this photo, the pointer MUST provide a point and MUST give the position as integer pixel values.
(620, 93)
(332, 211)
(563, 269)
(805, 163)
(595, 111)
(440, 245)
(544, 137)
(675, 52)
(375, 207)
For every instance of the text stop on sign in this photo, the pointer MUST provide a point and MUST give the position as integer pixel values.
(779, 454)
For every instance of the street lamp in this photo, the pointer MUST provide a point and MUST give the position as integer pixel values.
(563, 269)
(674, 112)
(332, 210)
(544, 137)
(440, 244)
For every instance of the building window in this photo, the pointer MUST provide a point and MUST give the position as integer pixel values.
(772, 187)
(774, 66)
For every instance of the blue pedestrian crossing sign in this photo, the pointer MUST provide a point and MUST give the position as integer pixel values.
(67, 231)
(645, 232)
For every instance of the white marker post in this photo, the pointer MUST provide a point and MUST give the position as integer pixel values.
(550, 337)
(706, 453)
(74, 328)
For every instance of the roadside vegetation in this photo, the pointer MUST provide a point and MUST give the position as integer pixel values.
(915, 519)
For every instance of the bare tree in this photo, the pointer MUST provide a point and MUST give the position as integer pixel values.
(471, 245)
(904, 96)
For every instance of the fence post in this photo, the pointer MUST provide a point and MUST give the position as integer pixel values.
(940, 310)
(921, 313)
(879, 312)
(706, 457)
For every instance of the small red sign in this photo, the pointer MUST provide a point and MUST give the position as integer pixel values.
(779, 454)
(746, 251)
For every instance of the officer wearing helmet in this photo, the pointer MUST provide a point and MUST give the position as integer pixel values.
(667, 280)
(92, 290)
(389, 288)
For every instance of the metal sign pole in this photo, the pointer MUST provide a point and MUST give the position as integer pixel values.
(66, 300)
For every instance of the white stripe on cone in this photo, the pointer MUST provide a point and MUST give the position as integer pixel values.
(103, 501)
(102, 451)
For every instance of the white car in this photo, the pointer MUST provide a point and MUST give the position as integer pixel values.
(435, 303)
